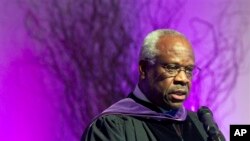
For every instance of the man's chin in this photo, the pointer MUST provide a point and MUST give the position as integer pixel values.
(172, 105)
(176, 105)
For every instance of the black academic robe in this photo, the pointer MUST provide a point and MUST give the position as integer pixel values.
(121, 127)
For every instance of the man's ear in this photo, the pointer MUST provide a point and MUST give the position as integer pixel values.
(143, 69)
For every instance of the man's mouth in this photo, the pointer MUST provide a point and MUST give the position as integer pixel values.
(178, 95)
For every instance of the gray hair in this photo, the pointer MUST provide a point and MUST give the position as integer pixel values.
(149, 50)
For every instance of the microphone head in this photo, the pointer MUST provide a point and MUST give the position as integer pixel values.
(203, 112)
(205, 115)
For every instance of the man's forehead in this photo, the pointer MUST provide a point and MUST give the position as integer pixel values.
(175, 48)
(170, 41)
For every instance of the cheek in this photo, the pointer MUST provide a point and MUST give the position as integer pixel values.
(189, 85)
(164, 85)
(153, 76)
(159, 82)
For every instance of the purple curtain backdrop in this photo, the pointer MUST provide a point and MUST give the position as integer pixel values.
(71, 59)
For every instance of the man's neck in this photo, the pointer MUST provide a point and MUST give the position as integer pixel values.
(140, 95)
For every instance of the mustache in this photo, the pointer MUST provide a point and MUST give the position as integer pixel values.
(178, 88)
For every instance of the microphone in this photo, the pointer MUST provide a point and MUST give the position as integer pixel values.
(206, 117)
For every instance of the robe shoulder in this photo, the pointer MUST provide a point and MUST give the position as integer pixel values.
(117, 128)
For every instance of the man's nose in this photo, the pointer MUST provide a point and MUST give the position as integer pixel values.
(181, 77)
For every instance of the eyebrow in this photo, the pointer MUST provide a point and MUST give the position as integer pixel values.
(165, 63)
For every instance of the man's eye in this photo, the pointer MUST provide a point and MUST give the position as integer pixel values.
(172, 67)
(189, 69)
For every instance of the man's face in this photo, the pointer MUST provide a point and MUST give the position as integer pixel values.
(165, 90)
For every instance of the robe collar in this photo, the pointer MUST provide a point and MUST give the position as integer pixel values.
(133, 106)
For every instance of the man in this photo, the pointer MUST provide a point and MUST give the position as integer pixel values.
(154, 111)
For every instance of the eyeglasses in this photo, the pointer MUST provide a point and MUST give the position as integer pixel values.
(173, 69)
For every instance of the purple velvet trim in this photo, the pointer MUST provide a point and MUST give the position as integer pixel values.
(129, 107)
